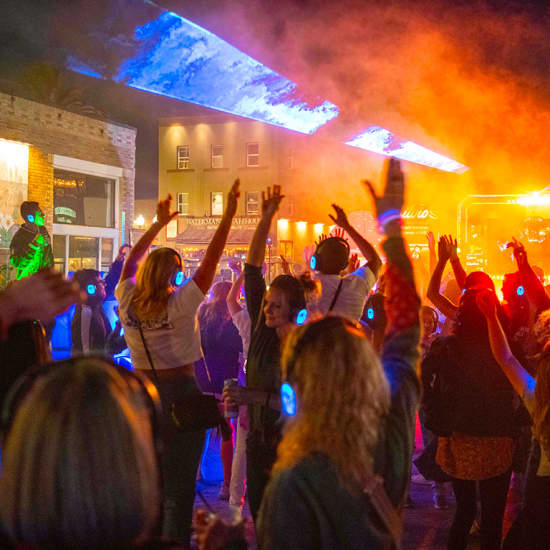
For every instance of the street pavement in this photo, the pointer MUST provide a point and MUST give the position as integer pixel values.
(425, 527)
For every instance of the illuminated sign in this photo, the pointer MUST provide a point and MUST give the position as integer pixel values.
(382, 141)
(174, 57)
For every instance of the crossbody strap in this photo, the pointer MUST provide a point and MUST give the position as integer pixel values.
(336, 294)
(374, 489)
(148, 354)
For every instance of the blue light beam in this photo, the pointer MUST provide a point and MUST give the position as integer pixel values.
(176, 58)
(382, 141)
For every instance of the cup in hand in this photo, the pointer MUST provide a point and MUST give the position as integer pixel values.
(231, 411)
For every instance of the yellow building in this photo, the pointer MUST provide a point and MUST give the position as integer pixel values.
(199, 158)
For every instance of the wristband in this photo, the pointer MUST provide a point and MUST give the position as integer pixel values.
(389, 216)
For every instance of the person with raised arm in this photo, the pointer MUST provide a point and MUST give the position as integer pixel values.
(477, 279)
(343, 294)
(273, 314)
(351, 436)
(158, 311)
(241, 319)
(531, 529)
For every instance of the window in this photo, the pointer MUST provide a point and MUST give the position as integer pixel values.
(59, 252)
(217, 156)
(83, 253)
(106, 254)
(253, 154)
(183, 204)
(286, 250)
(216, 203)
(183, 157)
(81, 199)
(252, 203)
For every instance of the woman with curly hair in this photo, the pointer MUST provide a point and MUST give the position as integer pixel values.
(532, 528)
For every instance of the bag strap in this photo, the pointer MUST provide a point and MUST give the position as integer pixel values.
(148, 354)
(374, 489)
(336, 294)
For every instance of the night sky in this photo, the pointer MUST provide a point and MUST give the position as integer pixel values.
(321, 45)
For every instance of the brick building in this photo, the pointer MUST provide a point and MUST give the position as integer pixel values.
(81, 170)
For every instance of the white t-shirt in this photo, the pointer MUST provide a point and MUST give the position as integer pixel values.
(241, 320)
(173, 338)
(353, 293)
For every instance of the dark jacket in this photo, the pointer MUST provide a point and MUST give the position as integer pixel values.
(481, 397)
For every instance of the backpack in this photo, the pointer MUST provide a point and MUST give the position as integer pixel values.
(442, 380)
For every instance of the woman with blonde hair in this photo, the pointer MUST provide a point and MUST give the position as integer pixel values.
(79, 463)
(351, 420)
(159, 314)
(531, 531)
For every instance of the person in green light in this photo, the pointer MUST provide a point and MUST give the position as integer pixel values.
(31, 247)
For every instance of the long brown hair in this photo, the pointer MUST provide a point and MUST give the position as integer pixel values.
(79, 466)
(342, 396)
(155, 282)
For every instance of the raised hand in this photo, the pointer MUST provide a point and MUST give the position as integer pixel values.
(443, 251)
(235, 267)
(431, 240)
(271, 199)
(519, 251)
(285, 266)
(163, 211)
(341, 220)
(486, 302)
(394, 190)
(353, 264)
(233, 199)
(452, 246)
(41, 296)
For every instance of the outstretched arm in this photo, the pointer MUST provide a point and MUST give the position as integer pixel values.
(205, 273)
(443, 304)
(534, 289)
(233, 294)
(511, 367)
(164, 216)
(270, 205)
(373, 259)
(458, 270)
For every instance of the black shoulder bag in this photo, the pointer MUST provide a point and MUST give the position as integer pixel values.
(195, 412)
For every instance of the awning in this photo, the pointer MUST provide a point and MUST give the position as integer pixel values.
(196, 235)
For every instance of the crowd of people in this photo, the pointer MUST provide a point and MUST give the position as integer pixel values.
(314, 383)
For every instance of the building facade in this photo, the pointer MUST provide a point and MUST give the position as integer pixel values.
(81, 170)
(199, 158)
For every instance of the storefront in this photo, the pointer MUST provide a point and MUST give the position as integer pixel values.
(85, 207)
(79, 169)
(194, 235)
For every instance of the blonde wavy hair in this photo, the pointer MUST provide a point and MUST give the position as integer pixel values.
(79, 464)
(155, 282)
(342, 396)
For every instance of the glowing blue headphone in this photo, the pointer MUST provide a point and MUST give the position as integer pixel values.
(520, 291)
(30, 217)
(301, 317)
(288, 399)
(178, 279)
(91, 289)
(370, 313)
